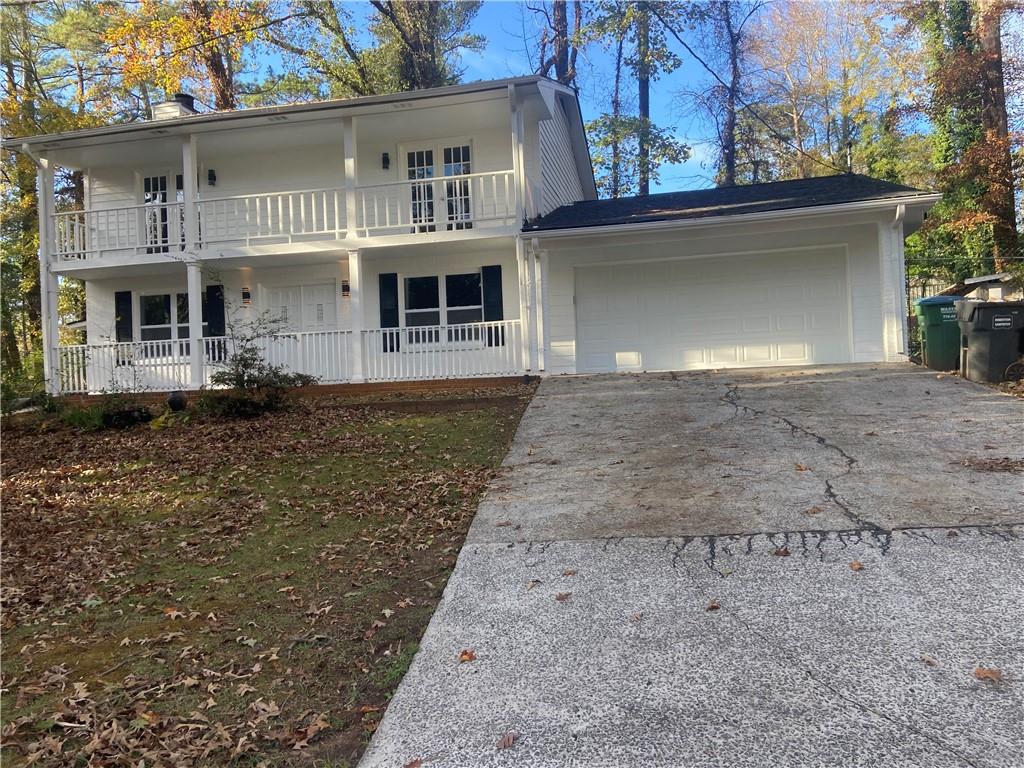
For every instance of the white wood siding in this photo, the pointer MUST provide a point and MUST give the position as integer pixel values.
(560, 178)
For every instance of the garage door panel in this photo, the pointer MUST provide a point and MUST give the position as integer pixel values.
(778, 309)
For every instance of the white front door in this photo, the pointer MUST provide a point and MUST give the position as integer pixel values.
(303, 307)
(787, 308)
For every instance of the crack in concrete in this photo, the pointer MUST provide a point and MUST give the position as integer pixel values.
(731, 397)
(791, 661)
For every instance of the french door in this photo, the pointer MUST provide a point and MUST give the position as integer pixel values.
(438, 195)
(163, 216)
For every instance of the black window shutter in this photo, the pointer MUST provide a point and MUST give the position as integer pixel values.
(490, 277)
(388, 286)
(214, 311)
(123, 316)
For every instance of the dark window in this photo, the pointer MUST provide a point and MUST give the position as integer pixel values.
(155, 310)
(463, 298)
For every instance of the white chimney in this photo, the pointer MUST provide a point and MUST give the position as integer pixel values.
(180, 106)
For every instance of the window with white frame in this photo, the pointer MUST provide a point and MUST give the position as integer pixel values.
(446, 300)
(164, 316)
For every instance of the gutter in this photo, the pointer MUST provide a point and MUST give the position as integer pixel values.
(925, 200)
(206, 118)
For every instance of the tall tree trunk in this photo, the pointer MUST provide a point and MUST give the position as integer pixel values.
(220, 77)
(563, 43)
(616, 170)
(728, 176)
(643, 54)
(999, 200)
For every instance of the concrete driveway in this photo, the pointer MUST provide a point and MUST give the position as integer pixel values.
(769, 567)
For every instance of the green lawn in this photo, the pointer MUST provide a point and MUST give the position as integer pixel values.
(240, 592)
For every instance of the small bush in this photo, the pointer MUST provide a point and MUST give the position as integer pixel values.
(113, 412)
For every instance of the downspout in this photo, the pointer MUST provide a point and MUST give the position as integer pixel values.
(901, 277)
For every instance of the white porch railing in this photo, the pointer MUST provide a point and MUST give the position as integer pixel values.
(153, 228)
(389, 354)
(443, 352)
(446, 203)
(285, 215)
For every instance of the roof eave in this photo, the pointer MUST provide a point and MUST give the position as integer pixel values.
(14, 143)
(917, 201)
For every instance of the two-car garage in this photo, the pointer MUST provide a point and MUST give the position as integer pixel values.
(786, 308)
(803, 272)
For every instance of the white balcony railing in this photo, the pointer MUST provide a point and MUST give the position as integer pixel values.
(443, 352)
(389, 354)
(449, 204)
(283, 215)
(446, 203)
(151, 228)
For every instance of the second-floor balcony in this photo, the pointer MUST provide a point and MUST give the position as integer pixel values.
(444, 206)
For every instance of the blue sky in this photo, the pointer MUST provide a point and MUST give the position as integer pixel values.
(505, 23)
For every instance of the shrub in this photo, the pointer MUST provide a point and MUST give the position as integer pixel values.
(252, 386)
(112, 412)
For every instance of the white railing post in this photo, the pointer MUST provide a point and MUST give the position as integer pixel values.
(355, 285)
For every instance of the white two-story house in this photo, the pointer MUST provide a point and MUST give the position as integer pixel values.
(444, 233)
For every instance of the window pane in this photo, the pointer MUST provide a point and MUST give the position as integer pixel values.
(421, 293)
(182, 307)
(463, 290)
(456, 316)
(182, 331)
(156, 310)
(422, 318)
(155, 334)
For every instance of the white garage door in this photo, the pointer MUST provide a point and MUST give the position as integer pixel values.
(771, 309)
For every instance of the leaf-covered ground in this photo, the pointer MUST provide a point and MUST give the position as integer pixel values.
(241, 592)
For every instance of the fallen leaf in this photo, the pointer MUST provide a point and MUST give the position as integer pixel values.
(713, 605)
(637, 617)
(802, 467)
(569, 572)
(856, 565)
(173, 613)
(417, 763)
(782, 552)
(503, 524)
(562, 596)
(929, 660)
(467, 655)
(989, 674)
(533, 583)
(507, 740)
(815, 510)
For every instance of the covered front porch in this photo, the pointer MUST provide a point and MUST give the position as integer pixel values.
(371, 315)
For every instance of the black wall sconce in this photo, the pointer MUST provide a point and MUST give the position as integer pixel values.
(211, 177)
(385, 161)
(246, 296)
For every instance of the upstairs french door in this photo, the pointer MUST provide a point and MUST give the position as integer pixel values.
(436, 197)
(163, 216)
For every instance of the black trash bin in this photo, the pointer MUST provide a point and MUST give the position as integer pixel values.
(991, 335)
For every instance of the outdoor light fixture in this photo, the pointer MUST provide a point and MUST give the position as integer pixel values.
(246, 296)
(385, 161)
(211, 177)
(346, 289)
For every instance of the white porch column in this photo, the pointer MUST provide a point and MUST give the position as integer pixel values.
(890, 257)
(48, 284)
(348, 130)
(190, 192)
(355, 288)
(542, 310)
(532, 310)
(194, 277)
(518, 161)
(522, 268)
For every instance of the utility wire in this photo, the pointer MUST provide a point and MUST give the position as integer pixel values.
(745, 104)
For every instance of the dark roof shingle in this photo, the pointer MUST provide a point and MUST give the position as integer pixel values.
(722, 201)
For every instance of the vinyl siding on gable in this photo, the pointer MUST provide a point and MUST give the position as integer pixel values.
(560, 178)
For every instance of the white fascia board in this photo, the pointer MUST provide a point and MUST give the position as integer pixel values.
(923, 201)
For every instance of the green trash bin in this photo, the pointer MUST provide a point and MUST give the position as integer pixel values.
(940, 331)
